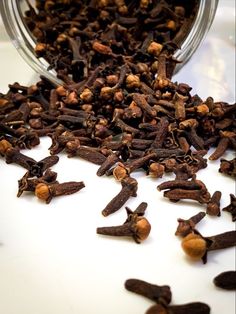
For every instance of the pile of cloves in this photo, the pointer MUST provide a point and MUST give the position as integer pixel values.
(119, 109)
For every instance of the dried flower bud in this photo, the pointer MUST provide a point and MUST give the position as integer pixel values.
(161, 83)
(73, 31)
(189, 123)
(36, 123)
(86, 95)
(3, 102)
(156, 170)
(143, 228)
(4, 145)
(40, 49)
(132, 81)
(202, 110)
(106, 93)
(87, 107)
(144, 4)
(103, 3)
(42, 191)
(61, 91)
(194, 246)
(180, 11)
(154, 66)
(154, 48)
(102, 49)
(72, 98)
(112, 80)
(120, 172)
(49, 5)
(171, 25)
(142, 67)
(61, 39)
(118, 96)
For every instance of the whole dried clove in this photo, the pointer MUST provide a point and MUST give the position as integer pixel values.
(159, 294)
(196, 246)
(135, 226)
(226, 280)
(46, 191)
(129, 188)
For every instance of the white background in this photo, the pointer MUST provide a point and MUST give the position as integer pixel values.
(52, 260)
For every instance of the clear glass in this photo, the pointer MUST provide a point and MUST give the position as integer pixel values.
(12, 14)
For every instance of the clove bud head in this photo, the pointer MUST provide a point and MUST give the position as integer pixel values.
(143, 229)
(42, 191)
(194, 246)
(4, 145)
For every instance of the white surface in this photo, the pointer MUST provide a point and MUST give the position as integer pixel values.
(52, 260)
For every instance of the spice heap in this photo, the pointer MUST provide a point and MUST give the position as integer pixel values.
(119, 109)
(76, 37)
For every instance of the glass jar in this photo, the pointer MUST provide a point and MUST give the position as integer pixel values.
(12, 12)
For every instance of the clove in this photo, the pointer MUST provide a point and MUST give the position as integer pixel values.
(196, 246)
(46, 191)
(129, 188)
(135, 226)
(159, 294)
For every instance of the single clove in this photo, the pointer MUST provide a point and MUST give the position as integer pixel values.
(135, 226)
(196, 246)
(159, 294)
(46, 191)
(129, 188)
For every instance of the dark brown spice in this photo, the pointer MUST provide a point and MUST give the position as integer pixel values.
(46, 191)
(226, 280)
(196, 246)
(129, 188)
(213, 207)
(135, 226)
(159, 294)
(187, 226)
(231, 208)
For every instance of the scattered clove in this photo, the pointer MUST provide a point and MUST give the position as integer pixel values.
(226, 280)
(46, 191)
(187, 226)
(129, 188)
(159, 294)
(135, 226)
(196, 246)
